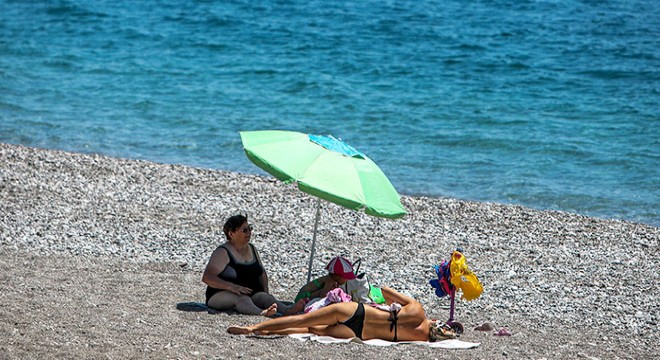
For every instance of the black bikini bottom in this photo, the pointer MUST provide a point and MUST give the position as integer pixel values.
(356, 322)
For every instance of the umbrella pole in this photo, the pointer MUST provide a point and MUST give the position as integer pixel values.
(316, 224)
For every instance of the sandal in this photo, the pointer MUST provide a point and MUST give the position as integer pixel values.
(502, 332)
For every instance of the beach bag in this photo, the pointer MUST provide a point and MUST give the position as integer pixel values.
(359, 288)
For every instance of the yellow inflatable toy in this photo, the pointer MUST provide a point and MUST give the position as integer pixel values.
(463, 278)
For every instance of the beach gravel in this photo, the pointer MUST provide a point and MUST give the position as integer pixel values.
(97, 252)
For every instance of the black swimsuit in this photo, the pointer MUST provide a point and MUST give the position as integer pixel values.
(356, 322)
(243, 274)
(393, 319)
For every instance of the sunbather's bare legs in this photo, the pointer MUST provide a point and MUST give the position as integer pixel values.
(313, 321)
(337, 330)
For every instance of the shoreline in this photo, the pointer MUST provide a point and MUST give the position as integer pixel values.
(557, 280)
(403, 194)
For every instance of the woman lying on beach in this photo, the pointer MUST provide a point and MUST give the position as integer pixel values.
(351, 319)
(236, 278)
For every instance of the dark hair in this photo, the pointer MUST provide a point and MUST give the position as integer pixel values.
(233, 223)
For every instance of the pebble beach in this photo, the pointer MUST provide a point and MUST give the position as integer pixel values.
(96, 253)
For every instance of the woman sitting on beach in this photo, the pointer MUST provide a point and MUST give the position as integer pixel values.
(352, 319)
(236, 278)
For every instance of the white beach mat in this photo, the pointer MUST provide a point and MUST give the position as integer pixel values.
(444, 344)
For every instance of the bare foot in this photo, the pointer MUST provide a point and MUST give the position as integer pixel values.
(296, 308)
(238, 330)
(271, 311)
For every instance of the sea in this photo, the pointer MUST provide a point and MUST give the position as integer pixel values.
(549, 104)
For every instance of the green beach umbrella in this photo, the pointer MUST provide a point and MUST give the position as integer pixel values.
(327, 168)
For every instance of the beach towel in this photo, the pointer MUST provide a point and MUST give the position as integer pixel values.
(444, 344)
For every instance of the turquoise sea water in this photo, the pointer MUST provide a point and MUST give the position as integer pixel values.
(548, 104)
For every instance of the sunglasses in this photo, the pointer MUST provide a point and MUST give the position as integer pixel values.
(246, 229)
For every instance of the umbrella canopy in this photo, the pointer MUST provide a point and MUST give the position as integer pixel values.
(327, 168)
